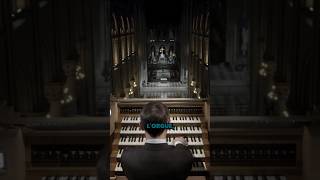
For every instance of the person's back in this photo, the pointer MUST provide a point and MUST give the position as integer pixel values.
(157, 161)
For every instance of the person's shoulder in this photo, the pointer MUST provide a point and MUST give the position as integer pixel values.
(130, 153)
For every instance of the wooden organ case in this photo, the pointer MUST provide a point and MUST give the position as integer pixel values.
(256, 148)
(189, 119)
(63, 148)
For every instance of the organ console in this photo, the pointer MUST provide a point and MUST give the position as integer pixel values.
(187, 115)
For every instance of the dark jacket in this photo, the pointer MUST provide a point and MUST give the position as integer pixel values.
(157, 162)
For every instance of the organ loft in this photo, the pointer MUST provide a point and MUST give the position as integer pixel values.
(240, 79)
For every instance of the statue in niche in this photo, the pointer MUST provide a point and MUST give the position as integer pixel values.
(162, 55)
(244, 37)
(152, 56)
(172, 55)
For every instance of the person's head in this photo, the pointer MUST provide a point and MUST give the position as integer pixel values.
(153, 113)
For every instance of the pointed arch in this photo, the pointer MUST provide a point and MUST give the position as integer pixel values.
(115, 29)
(206, 28)
(122, 27)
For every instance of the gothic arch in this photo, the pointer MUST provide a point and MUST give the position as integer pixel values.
(115, 29)
(206, 28)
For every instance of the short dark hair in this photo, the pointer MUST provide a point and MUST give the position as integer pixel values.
(154, 112)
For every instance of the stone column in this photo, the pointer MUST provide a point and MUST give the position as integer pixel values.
(69, 89)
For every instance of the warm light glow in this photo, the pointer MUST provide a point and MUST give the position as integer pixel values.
(195, 90)
(270, 94)
(130, 91)
(65, 90)
(263, 72)
(193, 83)
(285, 113)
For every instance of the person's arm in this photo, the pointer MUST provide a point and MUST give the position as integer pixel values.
(181, 143)
(186, 157)
(123, 159)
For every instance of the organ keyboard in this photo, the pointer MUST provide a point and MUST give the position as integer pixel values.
(188, 117)
(198, 166)
(140, 140)
(176, 130)
(173, 119)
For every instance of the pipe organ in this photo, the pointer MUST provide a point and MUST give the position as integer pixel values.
(188, 117)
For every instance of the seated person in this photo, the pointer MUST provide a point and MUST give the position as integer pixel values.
(157, 160)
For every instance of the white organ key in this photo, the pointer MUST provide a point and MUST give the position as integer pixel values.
(74, 178)
(119, 153)
(44, 178)
(82, 178)
(218, 177)
(238, 178)
(204, 166)
(118, 167)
